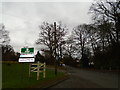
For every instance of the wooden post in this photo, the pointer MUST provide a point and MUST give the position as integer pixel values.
(44, 70)
(38, 70)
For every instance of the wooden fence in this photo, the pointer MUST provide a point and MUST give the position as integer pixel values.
(38, 68)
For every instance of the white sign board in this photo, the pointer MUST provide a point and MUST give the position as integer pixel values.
(26, 59)
(27, 55)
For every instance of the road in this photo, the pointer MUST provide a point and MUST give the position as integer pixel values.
(89, 79)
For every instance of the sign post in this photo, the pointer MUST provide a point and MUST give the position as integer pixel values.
(27, 55)
(29, 69)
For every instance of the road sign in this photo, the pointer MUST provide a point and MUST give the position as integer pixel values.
(27, 55)
(27, 50)
(26, 59)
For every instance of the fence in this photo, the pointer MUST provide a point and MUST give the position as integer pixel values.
(39, 68)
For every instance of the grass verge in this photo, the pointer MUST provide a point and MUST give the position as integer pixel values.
(16, 75)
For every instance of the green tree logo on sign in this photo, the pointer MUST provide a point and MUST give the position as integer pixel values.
(27, 50)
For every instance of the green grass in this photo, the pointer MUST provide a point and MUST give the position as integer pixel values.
(17, 76)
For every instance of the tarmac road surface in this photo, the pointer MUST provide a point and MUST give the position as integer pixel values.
(89, 79)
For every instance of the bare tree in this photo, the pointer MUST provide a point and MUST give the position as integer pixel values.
(4, 36)
(70, 48)
(52, 36)
(92, 37)
(81, 37)
(6, 49)
(110, 11)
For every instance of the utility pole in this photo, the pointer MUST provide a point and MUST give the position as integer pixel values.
(55, 48)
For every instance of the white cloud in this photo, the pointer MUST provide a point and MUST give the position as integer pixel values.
(47, 0)
(23, 18)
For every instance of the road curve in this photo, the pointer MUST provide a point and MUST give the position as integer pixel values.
(88, 79)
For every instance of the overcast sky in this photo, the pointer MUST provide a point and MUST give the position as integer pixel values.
(22, 19)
